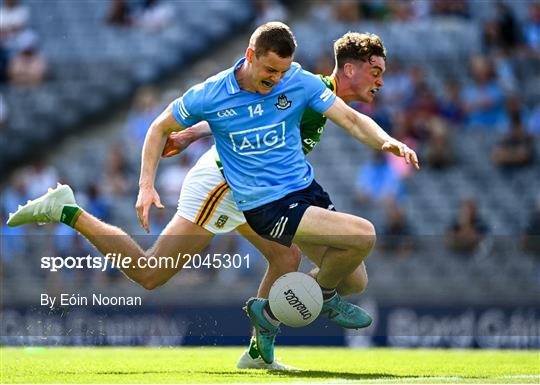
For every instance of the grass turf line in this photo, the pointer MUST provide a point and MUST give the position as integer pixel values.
(217, 365)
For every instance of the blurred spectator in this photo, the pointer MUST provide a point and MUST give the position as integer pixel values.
(14, 245)
(172, 177)
(483, 100)
(146, 108)
(516, 149)
(398, 86)
(119, 14)
(422, 108)
(269, 10)
(4, 61)
(14, 20)
(377, 182)
(320, 11)
(468, 230)
(491, 37)
(404, 131)
(16, 193)
(39, 177)
(450, 104)
(507, 26)
(400, 10)
(154, 15)
(324, 64)
(396, 232)
(95, 204)
(28, 67)
(3, 112)
(531, 234)
(533, 124)
(458, 8)
(347, 11)
(118, 178)
(439, 152)
(531, 28)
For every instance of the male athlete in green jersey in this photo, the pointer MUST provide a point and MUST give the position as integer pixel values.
(357, 76)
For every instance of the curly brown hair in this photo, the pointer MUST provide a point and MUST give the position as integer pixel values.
(273, 36)
(358, 46)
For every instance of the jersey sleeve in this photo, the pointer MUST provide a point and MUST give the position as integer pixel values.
(188, 108)
(319, 96)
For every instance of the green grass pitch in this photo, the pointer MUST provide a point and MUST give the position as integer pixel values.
(217, 365)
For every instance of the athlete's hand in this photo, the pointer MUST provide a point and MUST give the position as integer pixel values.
(401, 149)
(176, 143)
(147, 197)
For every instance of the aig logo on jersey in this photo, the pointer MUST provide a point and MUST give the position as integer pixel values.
(258, 140)
(226, 113)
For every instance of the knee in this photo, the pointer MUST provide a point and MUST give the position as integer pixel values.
(150, 284)
(367, 236)
(285, 262)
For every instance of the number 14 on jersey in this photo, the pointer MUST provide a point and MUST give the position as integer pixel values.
(255, 111)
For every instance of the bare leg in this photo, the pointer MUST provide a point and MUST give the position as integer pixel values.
(281, 259)
(180, 236)
(349, 240)
(354, 283)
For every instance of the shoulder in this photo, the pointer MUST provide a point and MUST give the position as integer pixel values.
(209, 89)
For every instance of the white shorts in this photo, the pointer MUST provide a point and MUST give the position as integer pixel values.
(206, 198)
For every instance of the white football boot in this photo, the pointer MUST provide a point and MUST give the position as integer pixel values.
(45, 209)
(246, 362)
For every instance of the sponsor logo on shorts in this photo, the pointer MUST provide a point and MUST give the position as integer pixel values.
(293, 205)
(258, 140)
(295, 303)
(220, 222)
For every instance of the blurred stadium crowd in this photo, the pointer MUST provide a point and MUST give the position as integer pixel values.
(462, 88)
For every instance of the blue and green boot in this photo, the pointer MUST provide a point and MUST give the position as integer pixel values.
(265, 332)
(345, 314)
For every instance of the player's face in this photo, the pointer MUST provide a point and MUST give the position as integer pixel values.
(268, 70)
(367, 78)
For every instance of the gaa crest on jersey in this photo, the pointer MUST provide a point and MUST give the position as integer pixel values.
(220, 222)
(282, 102)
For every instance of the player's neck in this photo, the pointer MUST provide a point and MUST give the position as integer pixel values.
(342, 89)
(243, 79)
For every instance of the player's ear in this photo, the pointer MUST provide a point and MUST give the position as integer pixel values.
(348, 69)
(249, 54)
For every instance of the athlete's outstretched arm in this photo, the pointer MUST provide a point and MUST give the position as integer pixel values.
(367, 131)
(162, 126)
(179, 141)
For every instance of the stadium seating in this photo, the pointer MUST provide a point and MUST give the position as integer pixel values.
(93, 65)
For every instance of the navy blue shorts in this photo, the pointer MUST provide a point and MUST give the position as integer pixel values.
(279, 220)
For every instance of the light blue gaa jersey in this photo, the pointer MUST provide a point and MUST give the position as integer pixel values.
(257, 136)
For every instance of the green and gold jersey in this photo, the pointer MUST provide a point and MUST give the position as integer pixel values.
(312, 123)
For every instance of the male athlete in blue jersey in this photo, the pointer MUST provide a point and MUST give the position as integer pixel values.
(254, 110)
